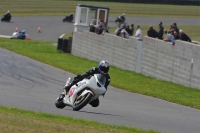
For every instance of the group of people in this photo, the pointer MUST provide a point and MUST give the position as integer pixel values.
(168, 35)
(101, 29)
(124, 30)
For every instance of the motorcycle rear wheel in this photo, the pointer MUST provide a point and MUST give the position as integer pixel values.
(81, 102)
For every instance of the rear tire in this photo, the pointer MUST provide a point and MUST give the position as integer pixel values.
(59, 102)
(84, 102)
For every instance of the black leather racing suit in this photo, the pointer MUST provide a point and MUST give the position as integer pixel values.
(91, 72)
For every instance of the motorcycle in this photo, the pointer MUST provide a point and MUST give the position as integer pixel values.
(69, 18)
(121, 19)
(16, 35)
(82, 93)
(6, 18)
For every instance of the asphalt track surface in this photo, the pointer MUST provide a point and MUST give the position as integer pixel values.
(52, 27)
(31, 85)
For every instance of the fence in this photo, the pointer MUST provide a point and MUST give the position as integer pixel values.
(151, 57)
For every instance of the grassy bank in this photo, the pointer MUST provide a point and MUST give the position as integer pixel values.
(20, 121)
(64, 7)
(130, 81)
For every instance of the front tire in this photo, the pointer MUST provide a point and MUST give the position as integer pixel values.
(80, 103)
(59, 102)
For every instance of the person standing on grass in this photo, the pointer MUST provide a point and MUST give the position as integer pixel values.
(152, 33)
(169, 37)
(174, 25)
(184, 37)
(132, 30)
(160, 31)
(138, 33)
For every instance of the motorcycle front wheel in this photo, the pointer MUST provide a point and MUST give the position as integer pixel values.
(59, 102)
(82, 101)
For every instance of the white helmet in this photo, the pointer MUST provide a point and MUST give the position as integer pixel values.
(123, 14)
(8, 11)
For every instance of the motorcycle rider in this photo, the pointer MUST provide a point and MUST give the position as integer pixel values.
(71, 16)
(121, 18)
(102, 68)
(22, 34)
(7, 16)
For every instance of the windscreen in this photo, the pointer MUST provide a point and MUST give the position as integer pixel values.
(101, 78)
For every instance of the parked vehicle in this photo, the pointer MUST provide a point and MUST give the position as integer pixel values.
(82, 93)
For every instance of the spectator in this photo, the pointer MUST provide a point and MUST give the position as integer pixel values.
(128, 30)
(124, 33)
(174, 25)
(184, 37)
(118, 29)
(160, 31)
(176, 36)
(165, 32)
(152, 33)
(171, 27)
(105, 28)
(99, 28)
(172, 31)
(131, 30)
(138, 32)
(166, 38)
(92, 27)
(169, 38)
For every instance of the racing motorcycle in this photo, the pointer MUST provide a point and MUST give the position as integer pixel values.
(69, 18)
(82, 93)
(6, 18)
(121, 19)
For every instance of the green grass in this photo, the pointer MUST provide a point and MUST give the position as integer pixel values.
(130, 81)
(64, 7)
(19, 121)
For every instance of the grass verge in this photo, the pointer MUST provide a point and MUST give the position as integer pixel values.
(45, 52)
(64, 7)
(18, 121)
